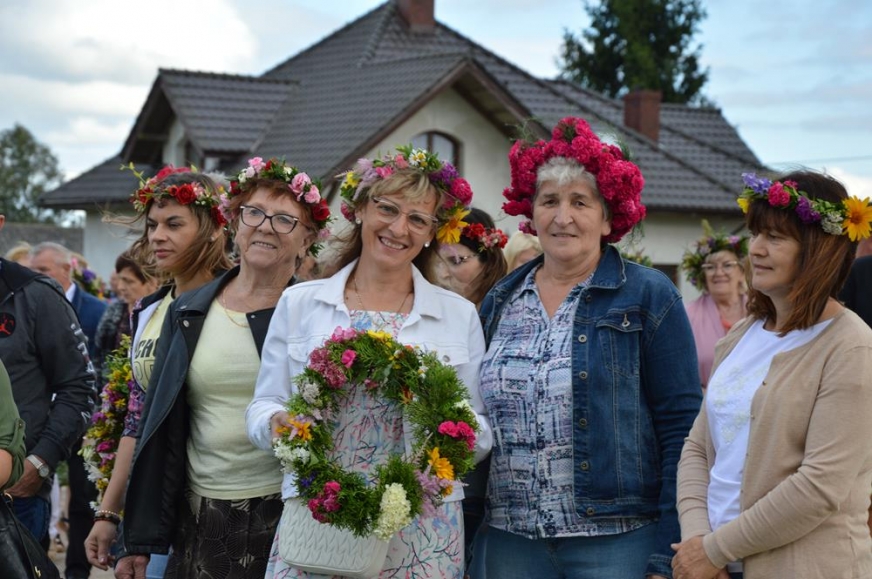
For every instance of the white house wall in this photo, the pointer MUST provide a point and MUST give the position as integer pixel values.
(103, 243)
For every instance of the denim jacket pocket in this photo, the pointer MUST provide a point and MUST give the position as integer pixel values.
(620, 341)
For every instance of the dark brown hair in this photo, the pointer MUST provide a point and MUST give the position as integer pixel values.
(824, 260)
(126, 261)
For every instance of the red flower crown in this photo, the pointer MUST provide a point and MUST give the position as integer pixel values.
(184, 194)
(485, 238)
(619, 181)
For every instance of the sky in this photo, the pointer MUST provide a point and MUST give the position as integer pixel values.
(794, 76)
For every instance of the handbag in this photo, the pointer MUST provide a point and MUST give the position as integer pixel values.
(315, 547)
(21, 555)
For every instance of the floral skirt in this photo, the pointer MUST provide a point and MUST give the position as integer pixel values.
(226, 539)
(424, 549)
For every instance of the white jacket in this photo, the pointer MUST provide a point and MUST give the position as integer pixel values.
(306, 315)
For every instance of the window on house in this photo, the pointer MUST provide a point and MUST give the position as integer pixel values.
(447, 148)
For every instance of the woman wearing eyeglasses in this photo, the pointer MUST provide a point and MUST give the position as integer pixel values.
(398, 205)
(197, 483)
(716, 266)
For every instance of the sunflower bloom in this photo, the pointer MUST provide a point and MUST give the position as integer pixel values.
(858, 220)
(441, 466)
(450, 230)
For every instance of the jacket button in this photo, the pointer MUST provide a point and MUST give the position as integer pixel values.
(446, 358)
(582, 338)
(582, 422)
(584, 465)
(590, 511)
(582, 375)
(587, 298)
(186, 323)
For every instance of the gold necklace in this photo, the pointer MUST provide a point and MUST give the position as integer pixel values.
(381, 314)
(222, 301)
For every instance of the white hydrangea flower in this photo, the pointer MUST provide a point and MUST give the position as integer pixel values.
(309, 391)
(395, 512)
(832, 223)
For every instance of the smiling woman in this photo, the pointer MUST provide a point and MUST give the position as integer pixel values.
(205, 369)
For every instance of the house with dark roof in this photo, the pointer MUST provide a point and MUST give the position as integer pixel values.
(396, 76)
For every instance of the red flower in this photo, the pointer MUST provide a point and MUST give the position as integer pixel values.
(461, 191)
(320, 211)
(184, 194)
(778, 197)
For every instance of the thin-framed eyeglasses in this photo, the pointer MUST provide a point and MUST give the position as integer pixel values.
(388, 212)
(726, 266)
(281, 223)
(456, 260)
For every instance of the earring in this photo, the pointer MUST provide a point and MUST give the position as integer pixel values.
(427, 244)
(358, 220)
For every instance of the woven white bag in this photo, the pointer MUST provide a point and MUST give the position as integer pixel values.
(315, 547)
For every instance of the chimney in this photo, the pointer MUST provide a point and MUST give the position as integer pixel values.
(418, 14)
(642, 112)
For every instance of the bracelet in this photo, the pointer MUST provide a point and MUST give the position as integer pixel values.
(109, 516)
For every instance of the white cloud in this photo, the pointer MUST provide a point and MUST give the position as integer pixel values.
(103, 97)
(82, 131)
(857, 185)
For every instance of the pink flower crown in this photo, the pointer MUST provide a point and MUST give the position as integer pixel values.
(485, 238)
(457, 194)
(185, 194)
(851, 217)
(619, 181)
(306, 191)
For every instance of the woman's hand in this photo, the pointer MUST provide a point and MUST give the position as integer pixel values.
(276, 421)
(97, 545)
(132, 567)
(691, 562)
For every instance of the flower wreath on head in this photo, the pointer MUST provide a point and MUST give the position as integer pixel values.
(457, 194)
(306, 191)
(100, 443)
(185, 194)
(87, 279)
(619, 181)
(434, 401)
(710, 243)
(851, 217)
(485, 238)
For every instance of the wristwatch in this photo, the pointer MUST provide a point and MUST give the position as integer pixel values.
(41, 468)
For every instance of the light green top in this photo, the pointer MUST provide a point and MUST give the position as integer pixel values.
(11, 428)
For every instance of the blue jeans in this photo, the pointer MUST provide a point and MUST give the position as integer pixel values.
(502, 555)
(157, 566)
(34, 513)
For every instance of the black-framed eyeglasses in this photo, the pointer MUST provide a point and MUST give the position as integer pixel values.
(280, 222)
(388, 212)
(726, 266)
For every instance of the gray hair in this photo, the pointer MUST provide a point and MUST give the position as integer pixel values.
(562, 171)
(65, 254)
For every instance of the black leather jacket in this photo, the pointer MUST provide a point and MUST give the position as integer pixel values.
(157, 476)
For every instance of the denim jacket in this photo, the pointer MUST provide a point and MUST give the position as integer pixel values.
(635, 396)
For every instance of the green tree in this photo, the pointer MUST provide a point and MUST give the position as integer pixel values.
(27, 170)
(644, 44)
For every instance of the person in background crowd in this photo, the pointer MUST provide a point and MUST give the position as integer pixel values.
(396, 214)
(716, 267)
(857, 292)
(217, 500)
(133, 283)
(589, 378)
(521, 248)
(55, 261)
(45, 353)
(20, 253)
(774, 478)
(184, 239)
(470, 268)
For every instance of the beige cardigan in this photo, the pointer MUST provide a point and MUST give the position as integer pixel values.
(808, 470)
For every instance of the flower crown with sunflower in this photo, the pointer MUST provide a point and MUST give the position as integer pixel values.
(185, 194)
(306, 191)
(851, 217)
(484, 238)
(710, 243)
(619, 181)
(457, 194)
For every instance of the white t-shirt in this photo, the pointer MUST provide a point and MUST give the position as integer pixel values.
(728, 406)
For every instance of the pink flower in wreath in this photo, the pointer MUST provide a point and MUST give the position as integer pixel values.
(384, 172)
(401, 162)
(312, 195)
(778, 197)
(299, 182)
(256, 163)
(348, 357)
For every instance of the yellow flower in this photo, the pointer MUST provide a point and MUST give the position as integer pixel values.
(442, 467)
(450, 231)
(382, 336)
(858, 222)
(743, 203)
(351, 179)
(303, 429)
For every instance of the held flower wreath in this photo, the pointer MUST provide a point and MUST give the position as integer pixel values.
(101, 440)
(434, 401)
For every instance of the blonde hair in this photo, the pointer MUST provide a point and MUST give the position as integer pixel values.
(518, 243)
